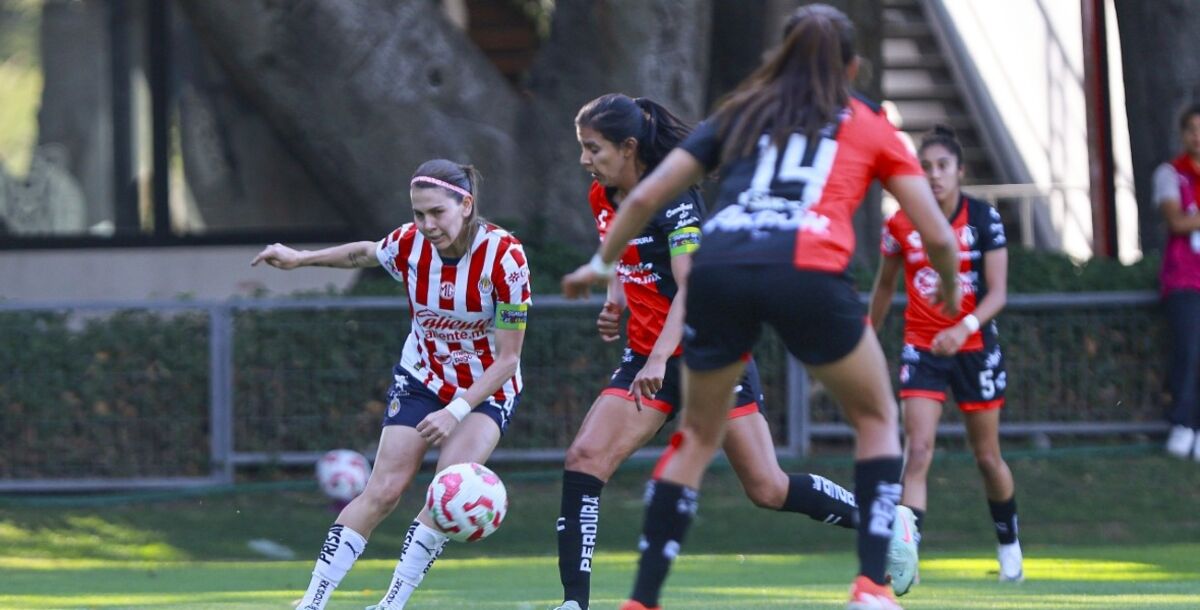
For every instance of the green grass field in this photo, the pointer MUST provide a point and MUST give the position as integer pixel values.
(1102, 529)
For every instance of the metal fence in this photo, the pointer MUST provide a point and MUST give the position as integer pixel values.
(167, 394)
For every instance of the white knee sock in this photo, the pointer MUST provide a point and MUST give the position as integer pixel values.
(341, 548)
(422, 546)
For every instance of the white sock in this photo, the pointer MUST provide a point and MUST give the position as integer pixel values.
(422, 546)
(341, 548)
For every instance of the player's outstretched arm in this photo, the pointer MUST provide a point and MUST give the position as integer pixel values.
(354, 255)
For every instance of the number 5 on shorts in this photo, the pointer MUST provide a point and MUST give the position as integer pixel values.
(987, 386)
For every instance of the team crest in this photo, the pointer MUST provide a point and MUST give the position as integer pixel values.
(447, 290)
(393, 407)
(485, 285)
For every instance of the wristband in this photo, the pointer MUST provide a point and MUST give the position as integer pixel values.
(971, 322)
(459, 408)
(598, 265)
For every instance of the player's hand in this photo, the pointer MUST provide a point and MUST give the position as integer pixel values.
(578, 283)
(949, 296)
(950, 340)
(648, 381)
(609, 322)
(437, 426)
(278, 256)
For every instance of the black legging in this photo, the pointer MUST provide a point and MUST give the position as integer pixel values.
(1183, 316)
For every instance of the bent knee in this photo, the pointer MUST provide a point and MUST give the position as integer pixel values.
(767, 494)
(596, 461)
(919, 453)
(385, 494)
(989, 462)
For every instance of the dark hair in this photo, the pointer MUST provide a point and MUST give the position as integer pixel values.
(942, 135)
(465, 177)
(618, 117)
(1188, 113)
(801, 86)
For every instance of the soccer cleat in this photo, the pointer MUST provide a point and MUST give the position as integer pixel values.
(1181, 441)
(636, 605)
(902, 551)
(866, 595)
(570, 605)
(1011, 562)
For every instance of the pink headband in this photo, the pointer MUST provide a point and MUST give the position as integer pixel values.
(441, 183)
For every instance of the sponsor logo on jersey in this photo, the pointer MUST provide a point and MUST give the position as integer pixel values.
(645, 239)
(914, 240)
(677, 210)
(518, 277)
(446, 290)
(511, 316)
(458, 356)
(442, 328)
(602, 219)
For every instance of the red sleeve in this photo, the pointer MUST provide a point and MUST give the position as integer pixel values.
(894, 158)
(888, 244)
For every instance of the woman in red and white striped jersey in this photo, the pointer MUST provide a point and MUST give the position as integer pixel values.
(459, 377)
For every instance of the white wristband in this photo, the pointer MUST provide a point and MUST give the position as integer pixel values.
(971, 322)
(598, 265)
(459, 408)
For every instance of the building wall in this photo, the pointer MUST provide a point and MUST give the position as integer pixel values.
(210, 272)
(1030, 55)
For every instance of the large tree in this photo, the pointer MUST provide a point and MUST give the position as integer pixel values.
(362, 92)
(1162, 75)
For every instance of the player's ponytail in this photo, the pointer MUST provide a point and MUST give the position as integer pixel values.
(663, 131)
(802, 86)
(944, 136)
(618, 117)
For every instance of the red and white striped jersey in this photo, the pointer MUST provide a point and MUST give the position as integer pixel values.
(457, 306)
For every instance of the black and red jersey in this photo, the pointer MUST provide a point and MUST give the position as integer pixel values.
(644, 268)
(979, 231)
(796, 204)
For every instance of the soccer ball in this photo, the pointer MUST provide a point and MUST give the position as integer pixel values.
(467, 502)
(342, 474)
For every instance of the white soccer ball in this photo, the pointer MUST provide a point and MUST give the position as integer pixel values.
(342, 474)
(467, 502)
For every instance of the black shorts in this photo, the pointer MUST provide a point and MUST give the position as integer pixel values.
(977, 378)
(818, 315)
(409, 401)
(748, 393)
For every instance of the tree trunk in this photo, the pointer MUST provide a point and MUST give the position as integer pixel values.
(75, 115)
(363, 92)
(643, 48)
(1160, 67)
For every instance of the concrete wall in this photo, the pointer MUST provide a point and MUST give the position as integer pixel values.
(1030, 55)
(210, 272)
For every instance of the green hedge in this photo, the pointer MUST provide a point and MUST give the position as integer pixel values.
(126, 393)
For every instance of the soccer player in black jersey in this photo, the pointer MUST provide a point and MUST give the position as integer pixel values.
(620, 140)
(796, 153)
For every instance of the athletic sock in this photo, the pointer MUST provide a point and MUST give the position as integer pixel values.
(341, 549)
(821, 499)
(669, 511)
(422, 546)
(578, 523)
(1004, 517)
(877, 487)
